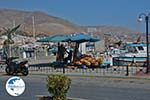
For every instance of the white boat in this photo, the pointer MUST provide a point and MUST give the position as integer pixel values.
(131, 52)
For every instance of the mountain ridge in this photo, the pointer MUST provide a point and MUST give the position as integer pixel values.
(44, 23)
(50, 25)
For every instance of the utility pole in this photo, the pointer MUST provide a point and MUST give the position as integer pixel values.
(33, 31)
(33, 27)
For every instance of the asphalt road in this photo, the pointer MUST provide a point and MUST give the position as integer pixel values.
(93, 88)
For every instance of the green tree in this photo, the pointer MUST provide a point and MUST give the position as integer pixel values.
(58, 85)
(9, 41)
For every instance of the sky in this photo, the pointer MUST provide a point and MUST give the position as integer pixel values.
(123, 13)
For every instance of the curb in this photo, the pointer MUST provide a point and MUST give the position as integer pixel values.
(83, 75)
(117, 77)
(70, 98)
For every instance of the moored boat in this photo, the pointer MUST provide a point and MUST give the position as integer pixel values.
(131, 53)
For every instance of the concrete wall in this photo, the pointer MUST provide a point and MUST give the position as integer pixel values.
(100, 46)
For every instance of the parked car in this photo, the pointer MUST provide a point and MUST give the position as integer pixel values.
(105, 64)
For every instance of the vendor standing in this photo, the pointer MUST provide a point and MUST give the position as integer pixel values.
(61, 53)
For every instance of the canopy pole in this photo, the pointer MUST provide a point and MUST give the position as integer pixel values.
(58, 53)
(76, 51)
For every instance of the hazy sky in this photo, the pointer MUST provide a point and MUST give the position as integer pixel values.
(122, 13)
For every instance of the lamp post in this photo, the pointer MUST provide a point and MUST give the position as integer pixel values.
(147, 41)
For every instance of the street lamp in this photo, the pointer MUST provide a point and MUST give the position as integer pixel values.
(147, 41)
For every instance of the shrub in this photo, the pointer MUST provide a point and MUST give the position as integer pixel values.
(58, 85)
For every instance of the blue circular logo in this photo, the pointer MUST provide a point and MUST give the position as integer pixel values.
(15, 86)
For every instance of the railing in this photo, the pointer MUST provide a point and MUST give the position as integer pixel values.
(115, 70)
(48, 68)
(86, 71)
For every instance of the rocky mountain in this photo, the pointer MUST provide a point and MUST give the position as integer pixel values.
(46, 24)
(40, 21)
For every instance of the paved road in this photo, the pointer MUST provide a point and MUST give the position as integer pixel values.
(94, 88)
